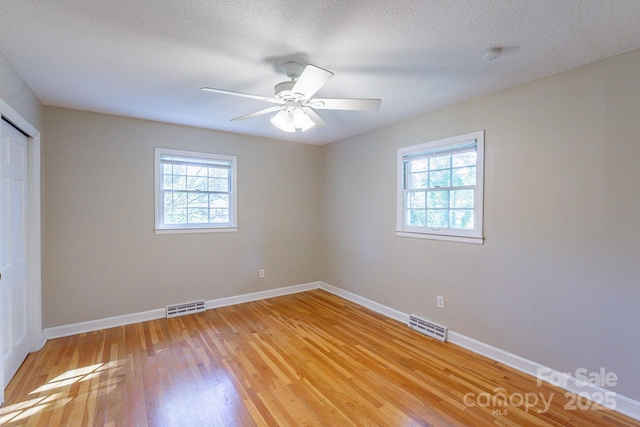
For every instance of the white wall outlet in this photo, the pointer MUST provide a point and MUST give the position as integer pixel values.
(261, 273)
(440, 301)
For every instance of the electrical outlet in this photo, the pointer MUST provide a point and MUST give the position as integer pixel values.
(261, 273)
(440, 301)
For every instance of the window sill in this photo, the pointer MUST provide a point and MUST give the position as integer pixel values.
(459, 239)
(192, 230)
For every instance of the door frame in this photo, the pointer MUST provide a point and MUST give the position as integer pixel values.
(34, 222)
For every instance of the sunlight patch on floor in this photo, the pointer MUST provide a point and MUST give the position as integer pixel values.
(28, 408)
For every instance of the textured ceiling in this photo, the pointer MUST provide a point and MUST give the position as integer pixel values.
(148, 58)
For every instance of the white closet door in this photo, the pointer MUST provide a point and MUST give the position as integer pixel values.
(13, 238)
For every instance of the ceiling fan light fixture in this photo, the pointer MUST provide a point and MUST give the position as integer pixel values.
(301, 119)
(292, 117)
(283, 121)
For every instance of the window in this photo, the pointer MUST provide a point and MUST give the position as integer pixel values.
(195, 192)
(440, 186)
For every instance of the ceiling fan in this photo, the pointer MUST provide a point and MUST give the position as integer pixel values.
(294, 100)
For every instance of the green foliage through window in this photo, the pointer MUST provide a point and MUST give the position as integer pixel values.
(446, 182)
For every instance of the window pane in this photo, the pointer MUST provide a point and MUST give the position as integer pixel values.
(219, 215)
(218, 184)
(197, 171)
(442, 162)
(219, 200)
(437, 199)
(179, 183)
(198, 215)
(175, 216)
(166, 182)
(219, 172)
(462, 198)
(416, 217)
(419, 180)
(169, 169)
(194, 183)
(464, 159)
(416, 200)
(437, 218)
(462, 218)
(173, 199)
(198, 200)
(440, 178)
(463, 176)
(419, 165)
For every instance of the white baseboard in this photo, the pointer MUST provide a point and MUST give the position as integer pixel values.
(627, 406)
(516, 362)
(109, 322)
(255, 296)
(623, 404)
(127, 319)
(377, 307)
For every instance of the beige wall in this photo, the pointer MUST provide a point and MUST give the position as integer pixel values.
(15, 92)
(558, 278)
(101, 255)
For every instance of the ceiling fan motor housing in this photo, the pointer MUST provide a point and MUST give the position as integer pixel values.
(283, 90)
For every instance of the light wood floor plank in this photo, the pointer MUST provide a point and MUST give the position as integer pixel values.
(304, 359)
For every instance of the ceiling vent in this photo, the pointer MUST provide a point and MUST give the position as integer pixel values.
(186, 308)
(430, 329)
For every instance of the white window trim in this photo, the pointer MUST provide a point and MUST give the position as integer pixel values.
(474, 236)
(161, 228)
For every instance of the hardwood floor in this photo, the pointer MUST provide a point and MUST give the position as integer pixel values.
(305, 359)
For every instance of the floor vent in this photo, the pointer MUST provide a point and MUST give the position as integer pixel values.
(428, 328)
(187, 308)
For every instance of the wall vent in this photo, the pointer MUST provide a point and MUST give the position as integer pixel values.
(186, 308)
(428, 328)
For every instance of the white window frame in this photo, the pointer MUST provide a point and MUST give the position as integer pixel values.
(474, 235)
(160, 227)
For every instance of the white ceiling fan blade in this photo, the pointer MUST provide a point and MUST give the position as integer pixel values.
(315, 118)
(244, 95)
(311, 80)
(258, 113)
(360, 104)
